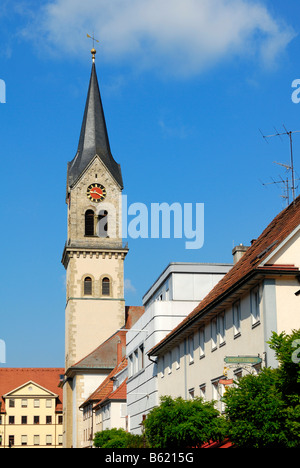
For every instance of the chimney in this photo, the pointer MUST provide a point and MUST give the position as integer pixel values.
(238, 252)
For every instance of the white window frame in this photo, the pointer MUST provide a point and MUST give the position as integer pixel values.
(213, 335)
(191, 348)
(221, 328)
(178, 357)
(201, 342)
(202, 389)
(236, 311)
(255, 305)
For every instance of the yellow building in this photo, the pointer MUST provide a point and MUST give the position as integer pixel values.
(31, 408)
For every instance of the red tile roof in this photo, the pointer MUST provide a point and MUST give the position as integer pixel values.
(276, 232)
(48, 378)
(120, 393)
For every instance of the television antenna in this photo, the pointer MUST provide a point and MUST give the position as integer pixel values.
(290, 167)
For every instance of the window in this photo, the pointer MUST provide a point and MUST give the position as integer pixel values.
(191, 349)
(88, 286)
(130, 366)
(36, 420)
(141, 357)
(11, 403)
(11, 420)
(36, 403)
(60, 439)
(213, 325)
(48, 403)
(202, 389)
(170, 362)
(162, 361)
(60, 419)
(237, 318)
(48, 419)
(255, 302)
(24, 440)
(191, 393)
(24, 420)
(177, 357)
(135, 361)
(102, 224)
(89, 223)
(11, 441)
(215, 393)
(201, 342)
(221, 328)
(105, 287)
(48, 439)
(36, 440)
(24, 403)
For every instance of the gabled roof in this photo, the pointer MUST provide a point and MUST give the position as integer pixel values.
(47, 378)
(105, 357)
(106, 387)
(18, 390)
(252, 263)
(93, 137)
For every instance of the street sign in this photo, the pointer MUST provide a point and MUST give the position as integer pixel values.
(226, 381)
(242, 359)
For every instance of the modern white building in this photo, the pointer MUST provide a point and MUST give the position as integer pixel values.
(176, 292)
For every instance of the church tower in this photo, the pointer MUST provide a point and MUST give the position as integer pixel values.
(94, 254)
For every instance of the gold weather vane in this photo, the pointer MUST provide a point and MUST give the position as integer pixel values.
(93, 51)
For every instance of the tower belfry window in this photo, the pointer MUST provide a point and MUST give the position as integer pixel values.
(88, 286)
(105, 287)
(89, 223)
(102, 224)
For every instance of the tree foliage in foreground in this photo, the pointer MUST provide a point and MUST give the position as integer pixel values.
(118, 438)
(263, 411)
(183, 424)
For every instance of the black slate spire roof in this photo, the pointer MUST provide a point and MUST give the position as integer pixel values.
(93, 137)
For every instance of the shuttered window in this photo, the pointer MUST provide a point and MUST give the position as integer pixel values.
(88, 286)
(105, 287)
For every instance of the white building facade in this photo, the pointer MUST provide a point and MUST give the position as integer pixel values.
(227, 335)
(176, 292)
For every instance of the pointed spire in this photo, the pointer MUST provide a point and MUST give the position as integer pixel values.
(93, 137)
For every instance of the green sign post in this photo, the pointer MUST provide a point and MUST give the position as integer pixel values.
(243, 360)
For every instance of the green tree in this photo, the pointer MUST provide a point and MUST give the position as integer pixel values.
(118, 438)
(177, 423)
(263, 411)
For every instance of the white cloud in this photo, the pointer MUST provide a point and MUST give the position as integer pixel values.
(128, 286)
(182, 37)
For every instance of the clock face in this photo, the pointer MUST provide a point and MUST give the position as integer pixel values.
(96, 192)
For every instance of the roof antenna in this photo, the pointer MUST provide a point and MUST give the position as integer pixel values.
(288, 167)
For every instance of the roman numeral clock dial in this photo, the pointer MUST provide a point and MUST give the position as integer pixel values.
(96, 192)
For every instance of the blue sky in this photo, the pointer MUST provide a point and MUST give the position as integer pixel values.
(186, 85)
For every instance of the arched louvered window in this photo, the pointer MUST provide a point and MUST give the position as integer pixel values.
(102, 224)
(89, 223)
(88, 286)
(105, 287)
